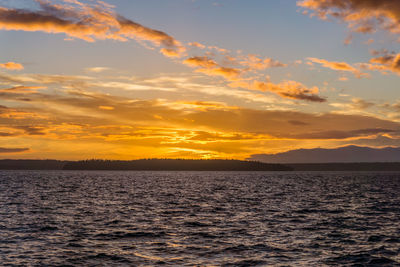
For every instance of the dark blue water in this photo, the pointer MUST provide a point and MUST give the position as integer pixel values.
(75, 218)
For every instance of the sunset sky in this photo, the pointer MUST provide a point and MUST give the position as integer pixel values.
(129, 79)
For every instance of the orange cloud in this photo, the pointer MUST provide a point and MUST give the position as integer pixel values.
(198, 45)
(169, 52)
(385, 63)
(11, 65)
(227, 73)
(201, 105)
(189, 115)
(134, 30)
(22, 89)
(289, 89)
(363, 16)
(97, 69)
(106, 108)
(339, 66)
(87, 22)
(255, 63)
(204, 62)
(391, 61)
(210, 67)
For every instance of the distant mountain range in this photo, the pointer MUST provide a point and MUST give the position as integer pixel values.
(345, 154)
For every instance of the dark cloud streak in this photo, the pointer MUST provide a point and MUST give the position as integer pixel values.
(13, 150)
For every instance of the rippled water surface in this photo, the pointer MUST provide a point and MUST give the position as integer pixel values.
(76, 218)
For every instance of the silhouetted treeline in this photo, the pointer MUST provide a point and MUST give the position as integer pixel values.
(362, 166)
(175, 165)
(191, 165)
(20, 164)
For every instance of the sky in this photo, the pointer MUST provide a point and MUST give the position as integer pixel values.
(131, 79)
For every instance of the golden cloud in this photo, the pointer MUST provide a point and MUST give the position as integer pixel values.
(106, 108)
(390, 62)
(11, 65)
(198, 45)
(210, 67)
(287, 89)
(255, 63)
(339, 66)
(385, 63)
(203, 115)
(86, 22)
(169, 52)
(227, 73)
(363, 16)
(290, 89)
(22, 89)
(157, 128)
(97, 69)
(203, 62)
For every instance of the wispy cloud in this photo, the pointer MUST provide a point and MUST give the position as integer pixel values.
(22, 89)
(288, 89)
(13, 150)
(97, 69)
(253, 62)
(11, 65)
(338, 66)
(179, 85)
(197, 44)
(357, 106)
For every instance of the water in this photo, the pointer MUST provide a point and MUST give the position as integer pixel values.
(75, 218)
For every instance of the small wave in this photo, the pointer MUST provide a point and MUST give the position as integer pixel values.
(196, 224)
(205, 235)
(123, 235)
(246, 263)
(375, 238)
(256, 247)
(113, 222)
(75, 245)
(362, 258)
(393, 240)
(106, 257)
(48, 228)
(383, 261)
